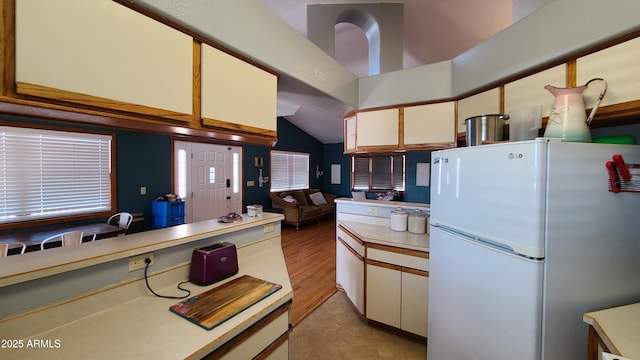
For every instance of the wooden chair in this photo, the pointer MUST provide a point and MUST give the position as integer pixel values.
(67, 238)
(4, 247)
(123, 218)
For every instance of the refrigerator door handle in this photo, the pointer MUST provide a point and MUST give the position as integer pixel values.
(479, 240)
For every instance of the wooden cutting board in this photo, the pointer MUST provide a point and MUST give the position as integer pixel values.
(217, 305)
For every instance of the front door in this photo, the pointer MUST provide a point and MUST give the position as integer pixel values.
(208, 178)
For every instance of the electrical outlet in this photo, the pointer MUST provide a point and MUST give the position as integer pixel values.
(137, 262)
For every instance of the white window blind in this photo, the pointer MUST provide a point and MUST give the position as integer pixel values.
(47, 173)
(375, 173)
(289, 170)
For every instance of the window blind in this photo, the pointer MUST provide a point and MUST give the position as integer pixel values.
(376, 173)
(47, 173)
(361, 174)
(289, 170)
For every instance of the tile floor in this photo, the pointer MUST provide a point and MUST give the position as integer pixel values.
(335, 331)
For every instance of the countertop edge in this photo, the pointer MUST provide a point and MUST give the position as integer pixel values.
(34, 265)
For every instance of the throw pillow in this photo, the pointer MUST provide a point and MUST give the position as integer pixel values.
(289, 199)
(317, 198)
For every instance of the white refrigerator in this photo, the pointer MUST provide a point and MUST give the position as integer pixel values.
(526, 238)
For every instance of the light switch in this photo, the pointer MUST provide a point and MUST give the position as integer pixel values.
(251, 183)
(143, 190)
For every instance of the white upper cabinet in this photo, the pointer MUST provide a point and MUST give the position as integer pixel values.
(350, 134)
(618, 65)
(430, 126)
(420, 127)
(529, 91)
(484, 103)
(378, 129)
(103, 54)
(236, 94)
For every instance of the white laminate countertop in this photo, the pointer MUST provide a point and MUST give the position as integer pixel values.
(144, 328)
(38, 264)
(388, 204)
(383, 235)
(619, 328)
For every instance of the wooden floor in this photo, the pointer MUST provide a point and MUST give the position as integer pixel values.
(310, 255)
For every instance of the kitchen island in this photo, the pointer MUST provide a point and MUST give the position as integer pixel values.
(384, 273)
(82, 302)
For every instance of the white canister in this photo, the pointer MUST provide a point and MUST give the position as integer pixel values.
(417, 222)
(398, 220)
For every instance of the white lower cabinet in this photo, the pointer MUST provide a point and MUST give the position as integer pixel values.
(415, 302)
(397, 295)
(350, 271)
(384, 294)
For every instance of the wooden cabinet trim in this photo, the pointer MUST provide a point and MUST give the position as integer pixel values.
(354, 237)
(410, 252)
(273, 347)
(415, 271)
(350, 249)
(383, 265)
(238, 127)
(94, 101)
(28, 108)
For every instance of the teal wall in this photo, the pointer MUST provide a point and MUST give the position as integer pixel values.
(144, 159)
(290, 138)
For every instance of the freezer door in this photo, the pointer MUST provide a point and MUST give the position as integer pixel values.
(495, 191)
(483, 303)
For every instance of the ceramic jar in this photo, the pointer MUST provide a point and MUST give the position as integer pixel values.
(417, 222)
(398, 220)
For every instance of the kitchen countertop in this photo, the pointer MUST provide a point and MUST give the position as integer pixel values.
(125, 321)
(39, 264)
(383, 235)
(387, 204)
(619, 329)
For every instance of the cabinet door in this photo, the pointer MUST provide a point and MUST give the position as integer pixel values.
(378, 130)
(103, 54)
(530, 91)
(383, 293)
(350, 134)
(415, 302)
(237, 95)
(350, 274)
(618, 65)
(485, 103)
(430, 126)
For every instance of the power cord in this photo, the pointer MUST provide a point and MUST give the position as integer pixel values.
(147, 262)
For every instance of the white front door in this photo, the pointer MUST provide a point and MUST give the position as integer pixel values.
(208, 178)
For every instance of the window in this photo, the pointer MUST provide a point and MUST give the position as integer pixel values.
(289, 170)
(47, 173)
(374, 173)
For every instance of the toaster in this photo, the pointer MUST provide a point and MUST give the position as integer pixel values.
(213, 263)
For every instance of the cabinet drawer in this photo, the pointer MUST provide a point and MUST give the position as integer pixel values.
(254, 340)
(353, 242)
(401, 257)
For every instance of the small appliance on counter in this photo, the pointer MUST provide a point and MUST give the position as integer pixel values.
(213, 263)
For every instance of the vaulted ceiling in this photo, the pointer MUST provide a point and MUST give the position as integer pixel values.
(429, 31)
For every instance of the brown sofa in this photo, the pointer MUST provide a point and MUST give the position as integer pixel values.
(298, 206)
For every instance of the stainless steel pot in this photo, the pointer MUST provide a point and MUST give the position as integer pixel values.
(485, 128)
